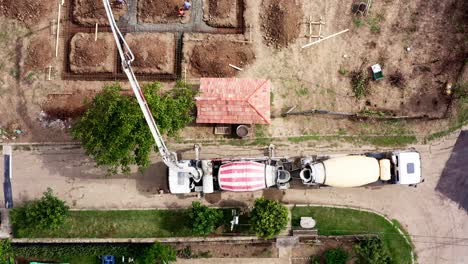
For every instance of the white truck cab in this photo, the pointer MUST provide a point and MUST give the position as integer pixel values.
(407, 167)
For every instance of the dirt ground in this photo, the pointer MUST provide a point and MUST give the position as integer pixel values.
(38, 54)
(210, 55)
(159, 57)
(161, 11)
(90, 12)
(226, 250)
(89, 56)
(29, 12)
(281, 21)
(221, 13)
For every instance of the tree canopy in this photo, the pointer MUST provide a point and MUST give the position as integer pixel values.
(114, 132)
(268, 218)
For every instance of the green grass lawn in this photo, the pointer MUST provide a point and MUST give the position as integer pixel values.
(116, 224)
(341, 221)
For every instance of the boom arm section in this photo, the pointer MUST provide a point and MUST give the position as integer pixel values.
(127, 57)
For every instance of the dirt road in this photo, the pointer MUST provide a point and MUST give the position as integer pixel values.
(437, 223)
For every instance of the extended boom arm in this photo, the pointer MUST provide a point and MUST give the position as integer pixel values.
(127, 57)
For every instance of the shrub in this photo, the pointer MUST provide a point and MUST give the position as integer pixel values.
(360, 83)
(268, 218)
(336, 256)
(6, 251)
(372, 251)
(47, 212)
(159, 253)
(204, 219)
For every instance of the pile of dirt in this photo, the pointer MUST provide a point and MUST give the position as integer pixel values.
(90, 12)
(39, 54)
(88, 56)
(158, 57)
(213, 59)
(221, 13)
(27, 11)
(158, 11)
(281, 21)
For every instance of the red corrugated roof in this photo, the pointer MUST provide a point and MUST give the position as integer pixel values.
(233, 101)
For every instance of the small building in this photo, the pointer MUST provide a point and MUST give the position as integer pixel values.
(233, 101)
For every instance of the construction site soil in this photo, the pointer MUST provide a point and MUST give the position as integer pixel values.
(27, 11)
(211, 56)
(90, 12)
(221, 13)
(65, 106)
(90, 56)
(281, 21)
(38, 54)
(159, 11)
(158, 57)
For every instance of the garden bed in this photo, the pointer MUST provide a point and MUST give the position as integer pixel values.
(342, 221)
(221, 13)
(208, 55)
(90, 12)
(161, 11)
(159, 57)
(90, 56)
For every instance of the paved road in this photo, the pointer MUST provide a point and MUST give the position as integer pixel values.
(434, 213)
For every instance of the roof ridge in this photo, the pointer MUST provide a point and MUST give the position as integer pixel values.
(255, 108)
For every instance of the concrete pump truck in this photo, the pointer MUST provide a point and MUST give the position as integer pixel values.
(252, 174)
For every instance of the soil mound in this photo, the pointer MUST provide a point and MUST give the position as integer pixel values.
(221, 13)
(39, 54)
(158, 11)
(90, 12)
(281, 21)
(26, 11)
(88, 55)
(213, 59)
(155, 58)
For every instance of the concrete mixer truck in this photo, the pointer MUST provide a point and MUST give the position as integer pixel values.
(243, 175)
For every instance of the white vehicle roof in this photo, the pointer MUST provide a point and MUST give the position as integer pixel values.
(179, 182)
(351, 171)
(242, 176)
(409, 167)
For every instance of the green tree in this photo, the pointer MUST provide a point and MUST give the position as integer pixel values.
(336, 256)
(113, 130)
(159, 254)
(204, 219)
(6, 251)
(47, 212)
(372, 251)
(268, 218)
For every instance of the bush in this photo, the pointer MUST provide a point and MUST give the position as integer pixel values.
(336, 256)
(114, 132)
(6, 251)
(360, 83)
(159, 253)
(47, 212)
(204, 219)
(268, 218)
(372, 251)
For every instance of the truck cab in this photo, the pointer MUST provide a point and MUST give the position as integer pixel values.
(406, 167)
